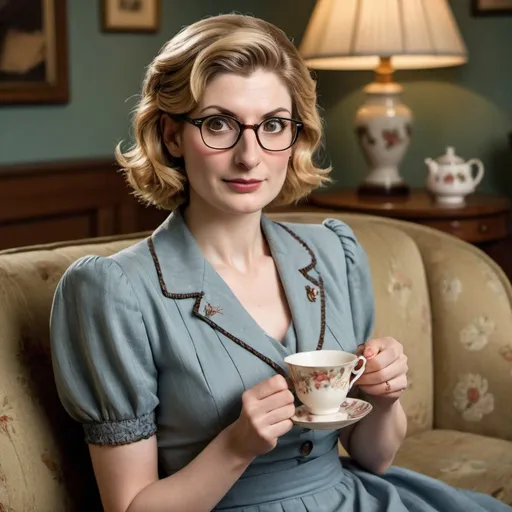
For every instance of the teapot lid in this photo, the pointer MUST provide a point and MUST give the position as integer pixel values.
(450, 157)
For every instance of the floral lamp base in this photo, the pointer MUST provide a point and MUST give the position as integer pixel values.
(384, 129)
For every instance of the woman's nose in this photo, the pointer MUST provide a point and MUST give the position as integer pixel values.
(248, 150)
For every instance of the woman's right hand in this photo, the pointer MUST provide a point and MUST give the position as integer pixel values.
(266, 412)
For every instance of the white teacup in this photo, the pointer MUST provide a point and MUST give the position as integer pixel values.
(322, 378)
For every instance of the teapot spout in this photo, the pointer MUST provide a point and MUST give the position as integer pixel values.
(432, 165)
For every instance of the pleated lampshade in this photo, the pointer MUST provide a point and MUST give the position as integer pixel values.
(354, 34)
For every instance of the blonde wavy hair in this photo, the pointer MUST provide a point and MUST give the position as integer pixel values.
(175, 81)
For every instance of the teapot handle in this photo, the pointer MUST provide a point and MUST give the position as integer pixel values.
(480, 171)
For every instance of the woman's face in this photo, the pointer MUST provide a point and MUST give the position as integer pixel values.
(247, 177)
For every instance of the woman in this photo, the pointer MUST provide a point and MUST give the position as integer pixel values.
(171, 351)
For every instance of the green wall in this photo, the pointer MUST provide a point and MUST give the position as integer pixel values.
(469, 107)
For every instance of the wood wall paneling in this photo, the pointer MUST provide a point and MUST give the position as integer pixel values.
(56, 201)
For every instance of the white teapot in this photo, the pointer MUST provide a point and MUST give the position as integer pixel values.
(450, 178)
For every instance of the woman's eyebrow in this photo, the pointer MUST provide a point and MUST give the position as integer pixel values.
(227, 112)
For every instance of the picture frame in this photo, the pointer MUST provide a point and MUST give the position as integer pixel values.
(492, 7)
(130, 15)
(33, 52)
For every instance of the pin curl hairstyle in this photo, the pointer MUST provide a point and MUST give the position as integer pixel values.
(175, 81)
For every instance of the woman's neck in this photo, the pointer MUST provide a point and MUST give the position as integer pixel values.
(227, 240)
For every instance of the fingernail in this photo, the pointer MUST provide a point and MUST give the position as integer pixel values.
(368, 352)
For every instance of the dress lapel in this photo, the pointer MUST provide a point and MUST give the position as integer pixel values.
(188, 278)
(303, 286)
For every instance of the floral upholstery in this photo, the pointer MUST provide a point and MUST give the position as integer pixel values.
(446, 301)
(461, 459)
(44, 464)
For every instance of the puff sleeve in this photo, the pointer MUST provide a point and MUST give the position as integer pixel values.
(102, 360)
(359, 281)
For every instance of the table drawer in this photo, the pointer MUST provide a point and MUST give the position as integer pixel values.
(473, 230)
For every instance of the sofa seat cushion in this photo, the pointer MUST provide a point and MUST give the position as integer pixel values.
(468, 461)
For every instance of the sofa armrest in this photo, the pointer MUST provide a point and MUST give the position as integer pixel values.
(471, 304)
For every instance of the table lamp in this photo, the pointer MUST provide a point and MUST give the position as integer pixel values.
(382, 35)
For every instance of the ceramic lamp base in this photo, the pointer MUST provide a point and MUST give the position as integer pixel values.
(384, 129)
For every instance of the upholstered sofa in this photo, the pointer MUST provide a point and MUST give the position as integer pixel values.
(447, 302)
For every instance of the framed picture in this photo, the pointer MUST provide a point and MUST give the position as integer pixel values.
(492, 7)
(33, 52)
(130, 15)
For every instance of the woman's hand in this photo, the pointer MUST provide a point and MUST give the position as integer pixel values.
(266, 412)
(386, 369)
(374, 441)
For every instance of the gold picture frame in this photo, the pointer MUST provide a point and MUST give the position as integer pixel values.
(33, 52)
(492, 7)
(130, 15)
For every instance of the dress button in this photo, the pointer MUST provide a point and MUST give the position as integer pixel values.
(306, 448)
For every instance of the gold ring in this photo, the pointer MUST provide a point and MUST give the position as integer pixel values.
(388, 386)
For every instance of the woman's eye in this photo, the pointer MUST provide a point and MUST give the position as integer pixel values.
(220, 124)
(216, 124)
(274, 125)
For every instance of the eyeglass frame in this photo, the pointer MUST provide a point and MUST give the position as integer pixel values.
(198, 123)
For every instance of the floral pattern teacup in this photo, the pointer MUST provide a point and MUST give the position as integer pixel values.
(322, 378)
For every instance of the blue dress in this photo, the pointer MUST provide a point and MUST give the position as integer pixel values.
(152, 341)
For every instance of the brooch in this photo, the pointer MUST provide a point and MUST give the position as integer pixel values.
(210, 310)
(312, 293)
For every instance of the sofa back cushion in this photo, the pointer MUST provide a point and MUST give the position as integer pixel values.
(471, 301)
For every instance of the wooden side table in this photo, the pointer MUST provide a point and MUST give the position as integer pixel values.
(484, 218)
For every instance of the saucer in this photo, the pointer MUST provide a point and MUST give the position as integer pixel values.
(351, 411)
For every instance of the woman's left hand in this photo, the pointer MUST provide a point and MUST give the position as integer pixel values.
(386, 369)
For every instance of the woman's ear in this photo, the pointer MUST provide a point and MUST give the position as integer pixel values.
(170, 130)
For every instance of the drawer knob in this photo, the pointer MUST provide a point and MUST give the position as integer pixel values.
(455, 224)
(484, 228)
